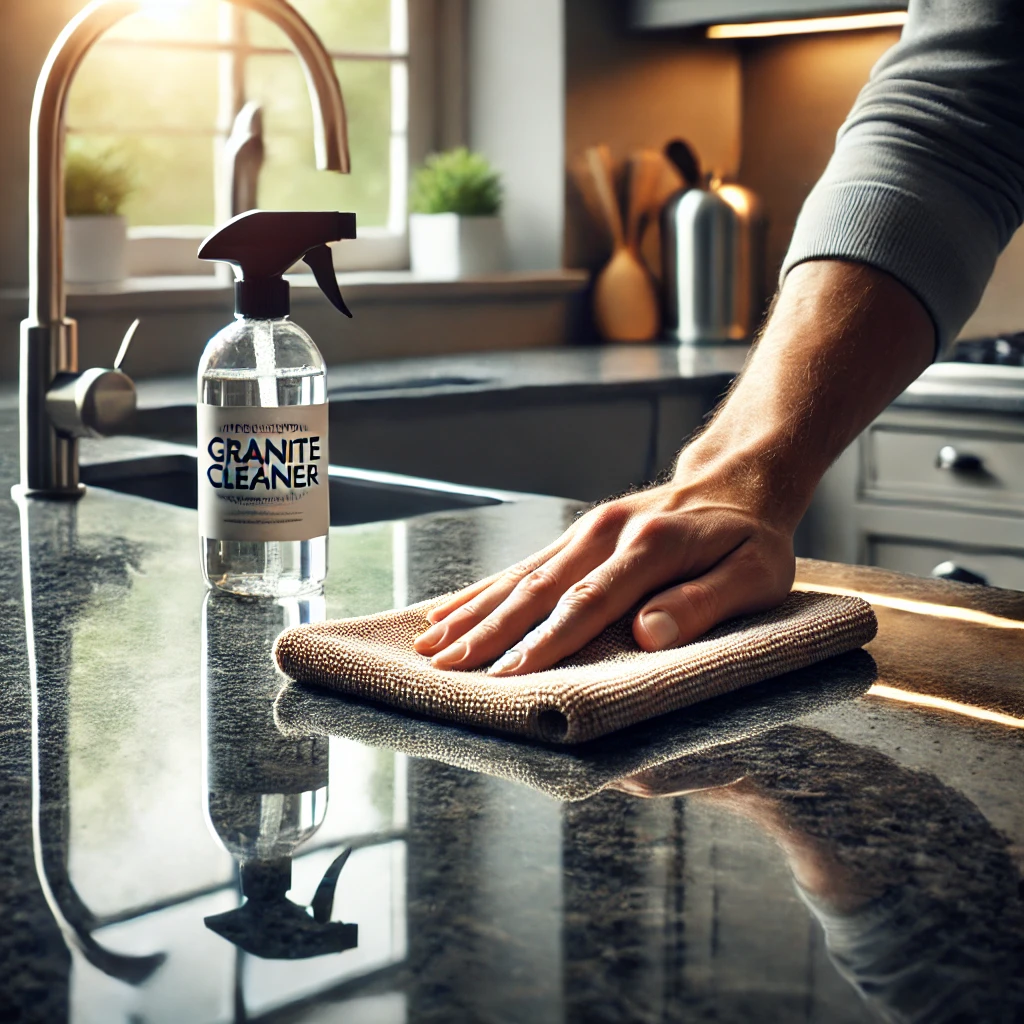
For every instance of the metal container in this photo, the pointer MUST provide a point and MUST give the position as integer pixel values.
(712, 264)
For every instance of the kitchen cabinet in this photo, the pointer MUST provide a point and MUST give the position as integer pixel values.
(585, 447)
(654, 14)
(926, 491)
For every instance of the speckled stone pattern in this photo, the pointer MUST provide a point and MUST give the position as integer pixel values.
(607, 686)
(825, 847)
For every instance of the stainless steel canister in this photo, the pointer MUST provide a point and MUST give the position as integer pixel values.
(712, 263)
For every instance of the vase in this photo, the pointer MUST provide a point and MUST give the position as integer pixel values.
(626, 299)
(446, 246)
(95, 249)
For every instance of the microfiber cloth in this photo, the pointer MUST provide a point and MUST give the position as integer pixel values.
(578, 772)
(610, 684)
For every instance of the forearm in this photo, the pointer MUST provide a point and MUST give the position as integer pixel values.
(842, 342)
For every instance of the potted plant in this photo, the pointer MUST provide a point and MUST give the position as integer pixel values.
(96, 186)
(454, 224)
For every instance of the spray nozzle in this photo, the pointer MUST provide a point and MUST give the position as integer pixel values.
(264, 244)
(269, 925)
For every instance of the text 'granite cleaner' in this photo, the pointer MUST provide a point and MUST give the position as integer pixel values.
(262, 412)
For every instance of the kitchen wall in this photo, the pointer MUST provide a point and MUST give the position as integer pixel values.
(635, 91)
(516, 116)
(797, 92)
(766, 111)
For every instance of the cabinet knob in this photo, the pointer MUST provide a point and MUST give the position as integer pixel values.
(957, 461)
(952, 571)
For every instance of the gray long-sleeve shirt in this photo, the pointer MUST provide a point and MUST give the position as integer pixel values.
(927, 178)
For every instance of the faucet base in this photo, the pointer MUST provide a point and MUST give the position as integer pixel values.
(49, 460)
(20, 492)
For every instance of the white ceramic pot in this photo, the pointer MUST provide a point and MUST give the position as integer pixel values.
(446, 246)
(95, 249)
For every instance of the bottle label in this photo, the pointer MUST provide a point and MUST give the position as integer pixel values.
(263, 472)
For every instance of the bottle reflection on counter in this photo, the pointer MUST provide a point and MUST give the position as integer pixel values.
(266, 793)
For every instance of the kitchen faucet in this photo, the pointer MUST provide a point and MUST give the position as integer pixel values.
(59, 404)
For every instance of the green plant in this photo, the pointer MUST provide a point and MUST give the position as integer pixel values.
(96, 183)
(456, 182)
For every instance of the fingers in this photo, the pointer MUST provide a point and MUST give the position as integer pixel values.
(601, 597)
(458, 599)
(483, 598)
(462, 619)
(745, 581)
(533, 598)
(514, 573)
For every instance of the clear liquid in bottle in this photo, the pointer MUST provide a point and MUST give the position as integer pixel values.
(251, 365)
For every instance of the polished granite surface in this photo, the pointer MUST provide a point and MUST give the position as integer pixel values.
(843, 845)
(967, 387)
(604, 369)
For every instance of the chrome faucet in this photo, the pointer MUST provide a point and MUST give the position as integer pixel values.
(58, 403)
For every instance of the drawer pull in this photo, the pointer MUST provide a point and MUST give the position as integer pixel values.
(957, 461)
(952, 571)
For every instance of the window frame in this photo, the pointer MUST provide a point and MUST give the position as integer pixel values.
(427, 58)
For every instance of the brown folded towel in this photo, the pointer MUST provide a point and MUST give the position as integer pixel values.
(608, 685)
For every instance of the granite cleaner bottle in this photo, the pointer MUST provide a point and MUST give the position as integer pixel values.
(262, 412)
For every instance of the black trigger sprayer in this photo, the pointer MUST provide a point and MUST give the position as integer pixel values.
(263, 244)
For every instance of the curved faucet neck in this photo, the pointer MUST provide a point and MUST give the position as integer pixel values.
(46, 144)
(49, 347)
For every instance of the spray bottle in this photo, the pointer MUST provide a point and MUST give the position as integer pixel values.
(262, 412)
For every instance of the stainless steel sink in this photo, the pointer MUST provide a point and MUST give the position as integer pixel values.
(167, 473)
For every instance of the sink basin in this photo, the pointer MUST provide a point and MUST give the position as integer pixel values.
(357, 495)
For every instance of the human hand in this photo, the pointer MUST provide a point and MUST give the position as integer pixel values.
(703, 553)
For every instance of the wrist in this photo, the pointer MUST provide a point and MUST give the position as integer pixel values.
(753, 471)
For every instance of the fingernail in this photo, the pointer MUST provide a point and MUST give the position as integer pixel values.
(450, 655)
(434, 615)
(508, 662)
(428, 639)
(661, 628)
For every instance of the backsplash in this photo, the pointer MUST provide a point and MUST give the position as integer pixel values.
(765, 111)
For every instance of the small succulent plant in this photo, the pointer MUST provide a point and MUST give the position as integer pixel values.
(96, 183)
(457, 181)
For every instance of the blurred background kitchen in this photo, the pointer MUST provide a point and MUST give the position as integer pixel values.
(491, 357)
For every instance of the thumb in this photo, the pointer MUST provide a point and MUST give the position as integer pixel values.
(738, 585)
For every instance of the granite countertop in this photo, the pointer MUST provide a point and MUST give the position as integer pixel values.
(967, 387)
(842, 845)
(606, 369)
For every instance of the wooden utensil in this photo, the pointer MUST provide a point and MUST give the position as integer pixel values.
(626, 304)
(645, 170)
(684, 158)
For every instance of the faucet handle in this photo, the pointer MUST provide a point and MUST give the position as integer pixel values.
(94, 403)
(125, 342)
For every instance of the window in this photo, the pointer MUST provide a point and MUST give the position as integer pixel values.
(163, 88)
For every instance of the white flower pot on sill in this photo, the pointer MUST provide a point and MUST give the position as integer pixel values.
(95, 249)
(446, 245)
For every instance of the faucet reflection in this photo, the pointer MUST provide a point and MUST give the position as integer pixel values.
(63, 573)
(266, 792)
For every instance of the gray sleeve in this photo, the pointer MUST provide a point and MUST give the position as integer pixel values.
(927, 178)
